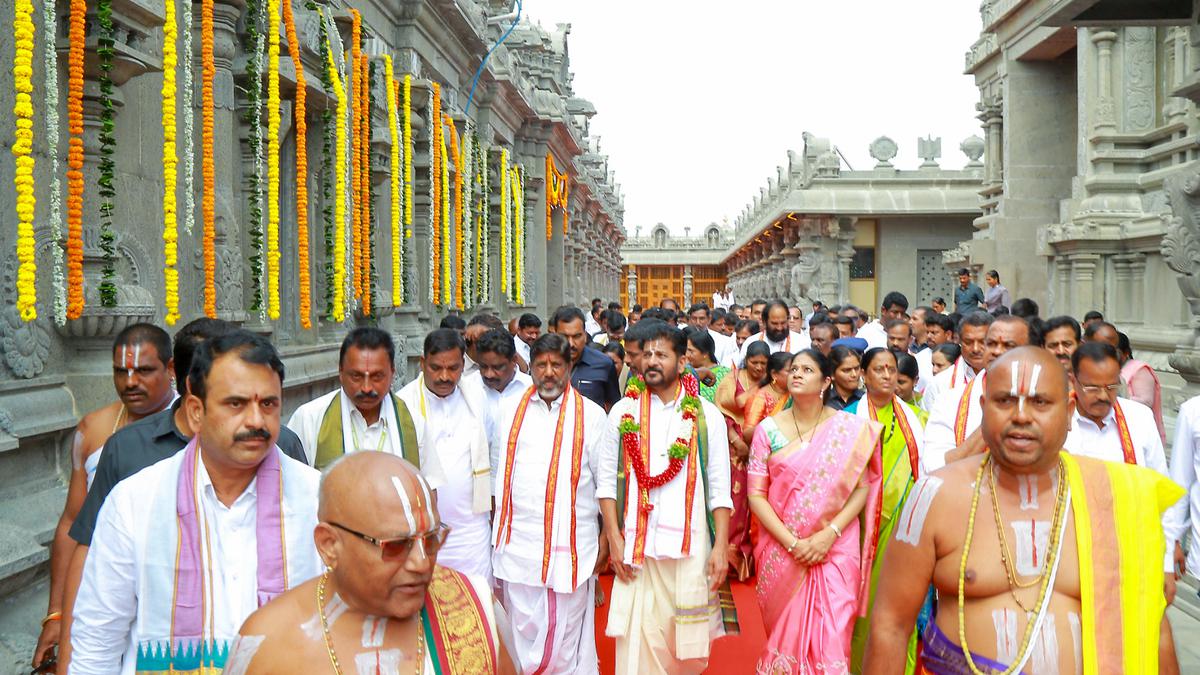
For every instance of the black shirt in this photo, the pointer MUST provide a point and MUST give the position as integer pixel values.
(835, 400)
(139, 445)
(595, 376)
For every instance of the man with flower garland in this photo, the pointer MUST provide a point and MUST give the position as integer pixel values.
(668, 534)
(546, 534)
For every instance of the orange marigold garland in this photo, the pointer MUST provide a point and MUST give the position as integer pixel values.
(299, 116)
(456, 155)
(76, 36)
(556, 195)
(435, 117)
(364, 179)
(208, 204)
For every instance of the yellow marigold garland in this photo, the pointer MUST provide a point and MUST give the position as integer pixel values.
(518, 201)
(394, 180)
(22, 150)
(76, 35)
(456, 155)
(273, 123)
(408, 156)
(352, 71)
(208, 206)
(505, 251)
(170, 166)
(339, 219)
(299, 116)
(436, 178)
(447, 289)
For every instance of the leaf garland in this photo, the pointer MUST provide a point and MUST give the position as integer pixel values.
(327, 203)
(108, 145)
(253, 119)
(338, 309)
(483, 206)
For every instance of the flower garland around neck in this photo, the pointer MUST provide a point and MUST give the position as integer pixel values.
(50, 61)
(208, 202)
(631, 429)
(435, 183)
(22, 150)
(273, 130)
(338, 293)
(395, 216)
(300, 118)
(255, 16)
(355, 92)
(76, 36)
(634, 387)
(170, 166)
(107, 191)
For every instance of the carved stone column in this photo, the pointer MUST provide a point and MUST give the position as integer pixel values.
(631, 288)
(991, 114)
(687, 286)
(1104, 119)
(1083, 272)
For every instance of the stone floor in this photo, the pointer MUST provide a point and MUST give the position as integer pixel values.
(1185, 622)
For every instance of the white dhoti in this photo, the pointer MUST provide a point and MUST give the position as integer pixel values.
(553, 632)
(665, 620)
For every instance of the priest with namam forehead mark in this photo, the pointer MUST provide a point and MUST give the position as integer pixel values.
(383, 604)
(1057, 569)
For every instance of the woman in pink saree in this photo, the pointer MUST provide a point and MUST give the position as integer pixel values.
(814, 475)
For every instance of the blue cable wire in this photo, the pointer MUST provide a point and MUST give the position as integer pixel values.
(475, 80)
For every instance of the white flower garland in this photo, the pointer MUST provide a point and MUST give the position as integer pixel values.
(50, 58)
(505, 247)
(468, 269)
(485, 202)
(519, 232)
(260, 162)
(185, 103)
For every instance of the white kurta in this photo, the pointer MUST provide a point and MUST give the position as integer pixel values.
(450, 428)
(1087, 439)
(1185, 470)
(939, 430)
(521, 559)
(114, 602)
(664, 530)
(924, 370)
(793, 343)
(726, 347)
(953, 377)
(874, 333)
(494, 403)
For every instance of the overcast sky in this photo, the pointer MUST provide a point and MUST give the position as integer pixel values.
(699, 101)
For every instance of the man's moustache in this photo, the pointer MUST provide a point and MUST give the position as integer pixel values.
(253, 434)
(367, 395)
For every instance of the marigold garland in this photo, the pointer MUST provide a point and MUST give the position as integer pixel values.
(353, 75)
(505, 253)
(518, 180)
(22, 150)
(273, 124)
(556, 195)
(170, 169)
(301, 122)
(208, 203)
(366, 266)
(435, 208)
(50, 66)
(465, 218)
(76, 35)
(105, 181)
(630, 430)
(395, 215)
(408, 156)
(447, 288)
(339, 221)
(456, 155)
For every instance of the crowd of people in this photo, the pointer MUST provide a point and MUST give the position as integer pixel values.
(459, 523)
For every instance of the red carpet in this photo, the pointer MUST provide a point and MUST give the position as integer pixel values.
(733, 654)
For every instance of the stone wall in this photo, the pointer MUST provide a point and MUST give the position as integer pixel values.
(50, 375)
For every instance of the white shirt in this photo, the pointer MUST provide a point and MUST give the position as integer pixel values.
(447, 428)
(726, 347)
(1086, 439)
(924, 370)
(1185, 470)
(110, 608)
(939, 430)
(591, 326)
(522, 349)
(495, 400)
(382, 435)
(520, 561)
(793, 343)
(874, 334)
(722, 301)
(664, 530)
(957, 375)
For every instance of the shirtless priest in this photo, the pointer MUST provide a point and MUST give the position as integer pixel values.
(1057, 569)
(383, 604)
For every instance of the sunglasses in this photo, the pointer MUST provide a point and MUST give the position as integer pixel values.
(399, 548)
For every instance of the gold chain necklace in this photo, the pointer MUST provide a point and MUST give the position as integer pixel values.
(796, 423)
(1053, 551)
(1006, 557)
(337, 668)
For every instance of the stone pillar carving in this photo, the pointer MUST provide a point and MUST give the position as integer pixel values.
(687, 285)
(1105, 112)
(1177, 51)
(991, 114)
(1181, 252)
(1083, 273)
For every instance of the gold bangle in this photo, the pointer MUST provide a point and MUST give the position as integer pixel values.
(52, 616)
(835, 529)
(795, 540)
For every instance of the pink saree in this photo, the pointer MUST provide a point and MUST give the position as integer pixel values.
(741, 552)
(809, 612)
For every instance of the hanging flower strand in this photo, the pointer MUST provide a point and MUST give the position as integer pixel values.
(185, 102)
(435, 206)
(353, 76)
(301, 123)
(105, 181)
(76, 35)
(255, 17)
(50, 59)
(170, 172)
(208, 202)
(408, 156)
(395, 214)
(22, 150)
(273, 123)
(456, 155)
(339, 220)
(364, 181)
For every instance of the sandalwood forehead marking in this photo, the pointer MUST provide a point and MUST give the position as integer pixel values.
(404, 501)
(1024, 381)
(426, 504)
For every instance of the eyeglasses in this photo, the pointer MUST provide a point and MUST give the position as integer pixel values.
(399, 548)
(1095, 389)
